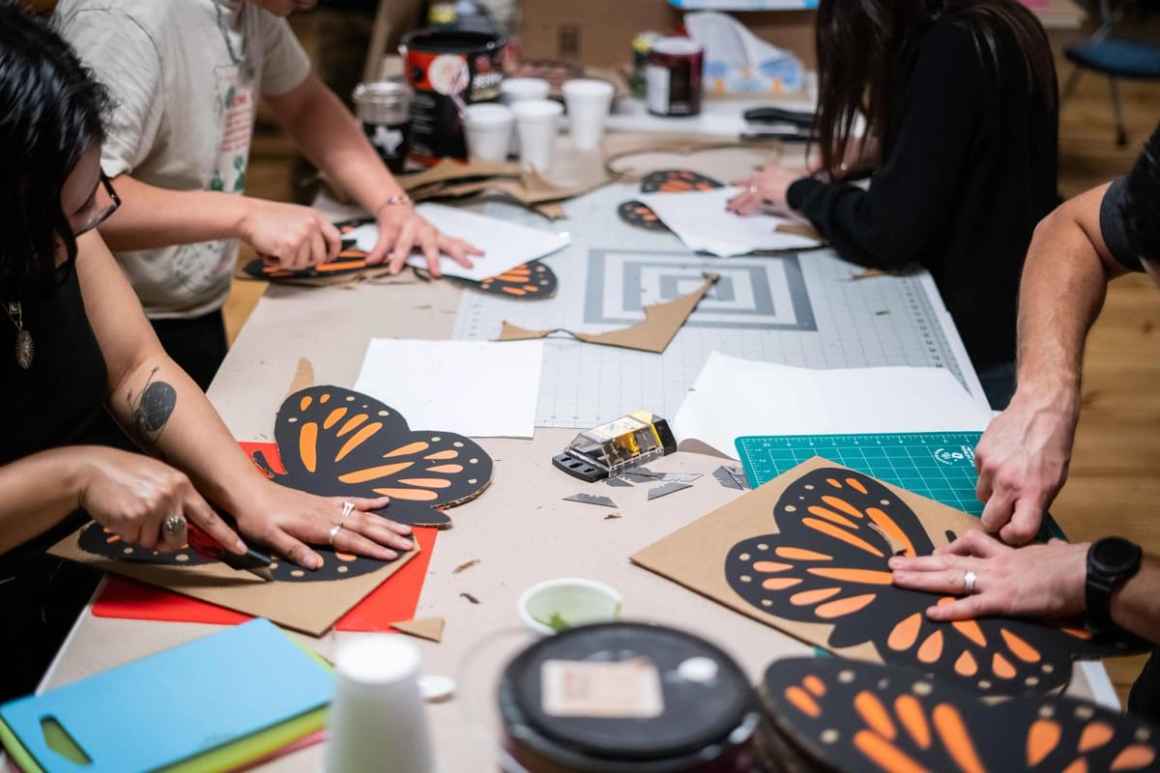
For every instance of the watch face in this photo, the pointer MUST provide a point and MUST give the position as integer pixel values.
(1115, 554)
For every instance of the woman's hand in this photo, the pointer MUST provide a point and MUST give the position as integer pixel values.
(288, 520)
(1040, 581)
(132, 496)
(768, 187)
(402, 229)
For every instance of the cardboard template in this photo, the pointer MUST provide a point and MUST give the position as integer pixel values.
(429, 628)
(807, 554)
(661, 323)
(837, 715)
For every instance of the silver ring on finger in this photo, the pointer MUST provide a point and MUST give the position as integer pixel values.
(970, 579)
(347, 509)
(174, 525)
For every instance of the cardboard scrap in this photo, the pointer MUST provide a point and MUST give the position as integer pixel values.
(591, 499)
(800, 229)
(303, 376)
(661, 323)
(429, 628)
(666, 489)
(465, 566)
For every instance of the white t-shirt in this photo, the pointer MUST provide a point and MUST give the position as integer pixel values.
(185, 76)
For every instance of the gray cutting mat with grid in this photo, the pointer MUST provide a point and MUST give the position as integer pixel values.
(804, 309)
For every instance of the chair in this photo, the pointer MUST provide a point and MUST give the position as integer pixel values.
(1115, 56)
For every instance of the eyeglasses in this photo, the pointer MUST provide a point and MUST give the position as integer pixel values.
(100, 217)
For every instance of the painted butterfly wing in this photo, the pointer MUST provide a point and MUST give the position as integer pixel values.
(335, 565)
(861, 716)
(528, 281)
(677, 181)
(639, 214)
(837, 529)
(336, 442)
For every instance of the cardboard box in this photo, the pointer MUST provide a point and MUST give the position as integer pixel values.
(599, 33)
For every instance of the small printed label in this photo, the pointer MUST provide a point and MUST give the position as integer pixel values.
(657, 89)
(630, 689)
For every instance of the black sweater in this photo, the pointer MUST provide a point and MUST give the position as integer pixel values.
(968, 169)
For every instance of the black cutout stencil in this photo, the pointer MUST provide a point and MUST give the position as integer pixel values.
(849, 715)
(827, 563)
(639, 214)
(677, 181)
(529, 281)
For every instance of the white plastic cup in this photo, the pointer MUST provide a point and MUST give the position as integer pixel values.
(513, 90)
(537, 122)
(377, 720)
(488, 127)
(589, 102)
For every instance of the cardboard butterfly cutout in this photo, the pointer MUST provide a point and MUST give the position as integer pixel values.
(338, 443)
(335, 565)
(529, 281)
(858, 716)
(639, 214)
(823, 577)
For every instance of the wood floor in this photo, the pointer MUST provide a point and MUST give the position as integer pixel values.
(1115, 473)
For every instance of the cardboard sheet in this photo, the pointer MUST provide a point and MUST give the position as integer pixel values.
(701, 221)
(807, 553)
(424, 380)
(505, 244)
(660, 326)
(733, 397)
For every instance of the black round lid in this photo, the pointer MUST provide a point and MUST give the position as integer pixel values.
(698, 711)
(452, 41)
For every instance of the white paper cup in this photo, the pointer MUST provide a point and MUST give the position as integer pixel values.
(514, 90)
(488, 127)
(537, 122)
(568, 601)
(589, 102)
(377, 720)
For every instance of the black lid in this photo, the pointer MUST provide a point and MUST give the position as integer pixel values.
(452, 41)
(696, 713)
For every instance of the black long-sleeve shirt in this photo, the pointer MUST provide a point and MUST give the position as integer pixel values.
(968, 168)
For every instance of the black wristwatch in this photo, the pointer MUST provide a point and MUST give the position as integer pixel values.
(1111, 562)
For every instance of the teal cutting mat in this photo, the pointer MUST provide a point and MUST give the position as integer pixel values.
(937, 465)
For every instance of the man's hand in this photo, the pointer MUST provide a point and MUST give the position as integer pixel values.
(1041, 581)
(1022, 460)
(402, 229)
(297, 237)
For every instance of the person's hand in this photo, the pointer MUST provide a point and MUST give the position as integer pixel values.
(768, 187)
(133, 495)
(296, 237)
(1022, 460)
(1041, 581)
(402, 229)
(288, 521)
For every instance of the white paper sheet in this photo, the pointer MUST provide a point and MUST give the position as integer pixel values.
(474, 388)
(734, 397)
(700, 220)
(504, 244)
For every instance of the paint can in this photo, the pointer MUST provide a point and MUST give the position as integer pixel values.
(448, 69)
(384, 108)
(673, 77)
(619, 697)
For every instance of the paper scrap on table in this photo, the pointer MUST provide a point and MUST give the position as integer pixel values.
(700, 220)
(505, 244)
(733, 397)
(475, 388)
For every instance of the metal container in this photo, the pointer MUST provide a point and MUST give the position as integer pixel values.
(687, 707)
(673, 77)
(384, 107)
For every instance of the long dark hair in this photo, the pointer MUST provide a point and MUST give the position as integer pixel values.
(51, 112)
(859, 44)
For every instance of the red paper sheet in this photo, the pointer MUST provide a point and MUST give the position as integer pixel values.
(392, 602)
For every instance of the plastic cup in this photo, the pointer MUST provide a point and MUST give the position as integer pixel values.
(589, 102)
(537, 122)
(514, 90)
(489, 129)
(377, 720)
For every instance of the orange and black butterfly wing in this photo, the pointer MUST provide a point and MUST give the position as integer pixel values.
(677, 181)
(849, 715)
(639, 214)
(336, 442)
(828, 563)
(529, 281)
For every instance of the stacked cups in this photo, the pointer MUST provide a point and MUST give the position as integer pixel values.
(589, 102)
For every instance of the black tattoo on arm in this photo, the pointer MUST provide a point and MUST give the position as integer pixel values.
(152, 409)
